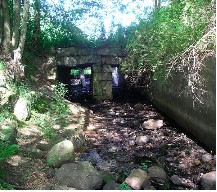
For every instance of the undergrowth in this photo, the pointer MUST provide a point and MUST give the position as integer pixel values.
(161, 38)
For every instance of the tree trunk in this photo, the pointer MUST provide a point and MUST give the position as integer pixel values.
(157, 4)
(7, 29)
(1, 24)
(24, 26)
(18, 67)
(15, 37)
(36, 30)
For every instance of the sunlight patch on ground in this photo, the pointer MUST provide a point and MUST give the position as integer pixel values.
(16, 160)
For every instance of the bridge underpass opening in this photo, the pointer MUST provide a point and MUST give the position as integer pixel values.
(79, 81)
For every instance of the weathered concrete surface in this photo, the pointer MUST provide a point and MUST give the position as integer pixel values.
(198, 119)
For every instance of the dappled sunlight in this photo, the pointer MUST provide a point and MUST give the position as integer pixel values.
(16, 160)
(114, 130)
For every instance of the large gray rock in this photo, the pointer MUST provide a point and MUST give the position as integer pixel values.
(208, 181)
(157, 174)
(81, 175)
(111, 186)
(8, 131)
(61, 153)
(152, 124)
(22, 109)
(136, 179)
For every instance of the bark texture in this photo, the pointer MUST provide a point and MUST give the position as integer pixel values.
(15, 37)
(7, 28)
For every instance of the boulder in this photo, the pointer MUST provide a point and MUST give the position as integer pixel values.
(81, 175)
(152, 124)
(111, 186)
(61, 153)
(8, 132)
(22, 109)
(136, 179)
(157, 174)
(141, 140)
(208, 181)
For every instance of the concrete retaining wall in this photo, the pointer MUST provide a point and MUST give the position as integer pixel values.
(175, 101)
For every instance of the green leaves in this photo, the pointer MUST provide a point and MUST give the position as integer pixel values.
(167, 33)
(124, 186)
(7, 150)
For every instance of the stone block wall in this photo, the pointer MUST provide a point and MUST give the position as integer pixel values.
(72, 56)
(102, 82)
(101, 60)
(195, 117)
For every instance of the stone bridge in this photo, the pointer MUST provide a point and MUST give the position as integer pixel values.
(102, 62)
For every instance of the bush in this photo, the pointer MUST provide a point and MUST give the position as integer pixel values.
(7, 150)
(168, 32)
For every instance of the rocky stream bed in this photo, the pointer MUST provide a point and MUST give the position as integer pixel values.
(125, 145)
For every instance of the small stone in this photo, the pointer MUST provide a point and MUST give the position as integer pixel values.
(182, 154)
(131, 142)
(136, 179)
(157, 174)
(182, 166)
(107, 165)
(59, 187)
(152, 124)
(170, 159)
(138, 106)
(46, 187)
(176, 180)
(112, 113)
(208, 181)
(197, 162)
(206, 158)
(113, 149)
(141, 140)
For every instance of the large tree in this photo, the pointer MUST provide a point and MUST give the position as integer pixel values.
(14, 36)
(1, 24)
